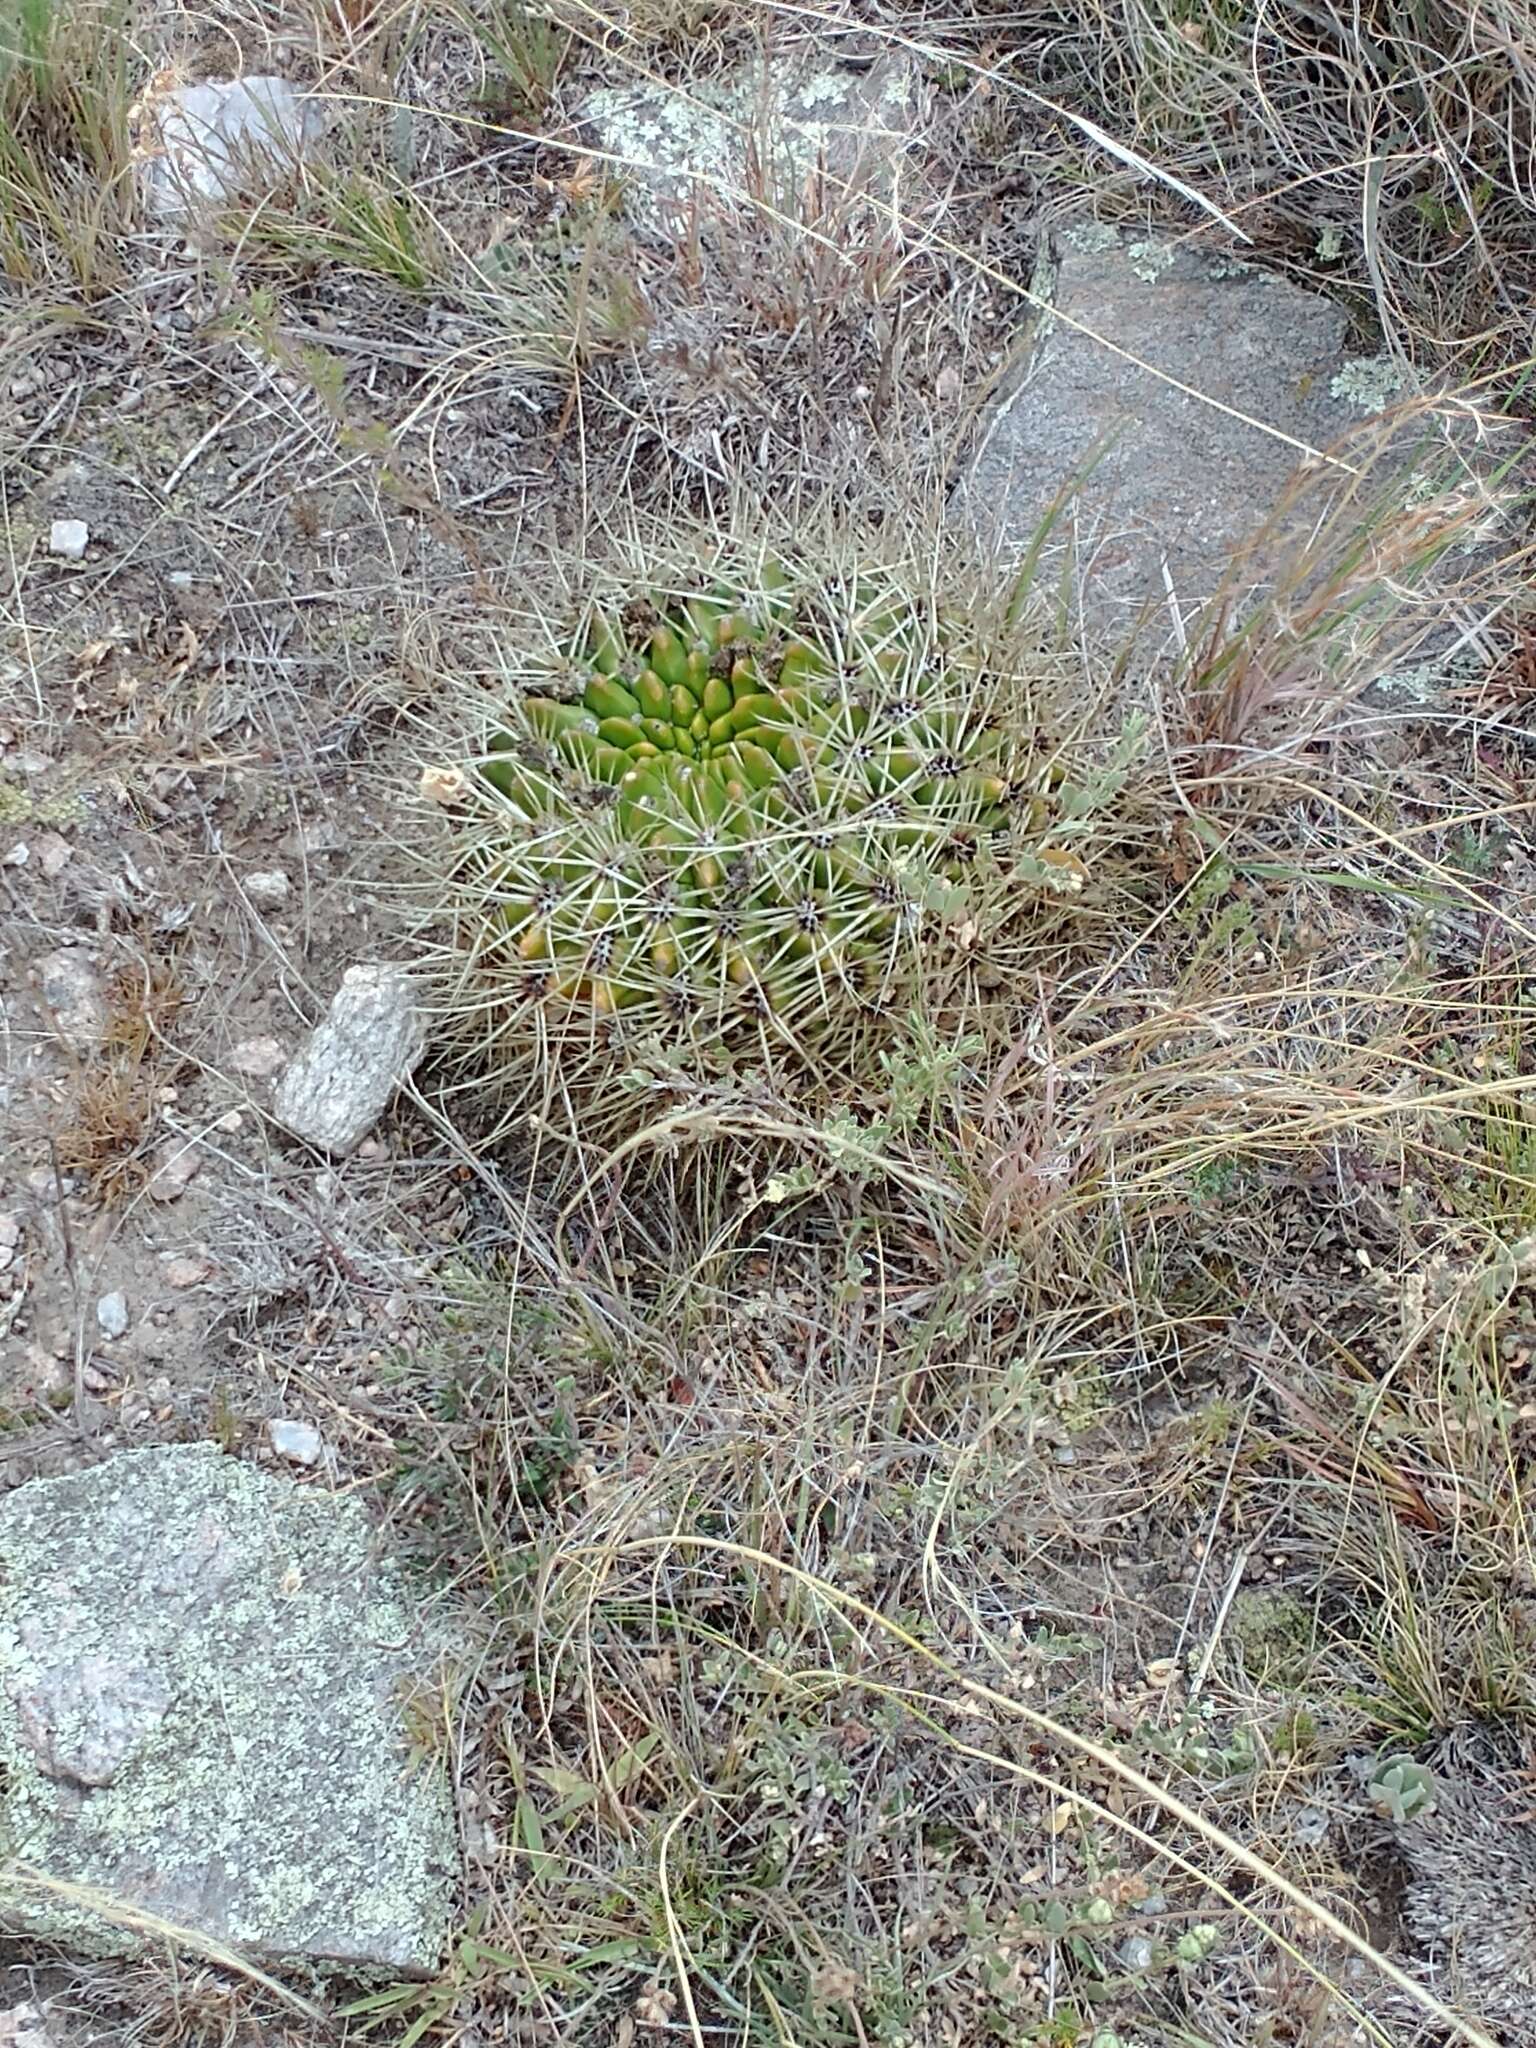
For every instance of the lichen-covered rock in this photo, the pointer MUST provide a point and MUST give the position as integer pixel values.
(1185, 414)
(758, 133)
(201, 1675)
(335, 1088)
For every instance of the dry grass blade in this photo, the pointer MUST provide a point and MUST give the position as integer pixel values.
(19, 1878)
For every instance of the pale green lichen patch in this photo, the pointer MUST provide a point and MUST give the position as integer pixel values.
(1150, 259)
(22, 805)
(1091, 237)
(200, 1670)
(1370, 383)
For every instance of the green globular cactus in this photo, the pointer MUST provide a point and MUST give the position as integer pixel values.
(740, 826)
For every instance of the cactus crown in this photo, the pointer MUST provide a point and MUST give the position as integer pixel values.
(738, 827)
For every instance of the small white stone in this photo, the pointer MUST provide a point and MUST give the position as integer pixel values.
(112, 1314)
(336, 1088)
(298, 1442)
(68, 539)
(176, 1163)
(215, 137)
(268, 889)
(18, 855)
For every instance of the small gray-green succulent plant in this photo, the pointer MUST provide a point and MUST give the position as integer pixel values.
(1401, 1789)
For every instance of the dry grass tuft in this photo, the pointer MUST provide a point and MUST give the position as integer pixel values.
(112, 1107)
(66, 198)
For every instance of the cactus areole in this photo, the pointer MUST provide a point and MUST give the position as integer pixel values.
(740, 818)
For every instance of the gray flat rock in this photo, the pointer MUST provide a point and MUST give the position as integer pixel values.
(1180, 469)
(201, 1670)
(758, 134)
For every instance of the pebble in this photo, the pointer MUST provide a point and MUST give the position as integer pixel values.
(175, 1165)
(45, 1377)
(183, 1271)
(73, 996)
(298, 1442)
(10, 1229)
(322, 837)
(68, 539)
(258, 1058)
(112, 1314)
(55, 854)
(25, 2026)
(268, 889)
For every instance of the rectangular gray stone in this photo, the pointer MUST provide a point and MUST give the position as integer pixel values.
(1180, 410)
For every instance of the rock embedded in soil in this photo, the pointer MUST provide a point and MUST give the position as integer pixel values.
(258, 1058)
(268, 889)
(1163, 486)
(298, 1442)
(221, 138)
(26, 2025)
(201, 1674)
(73, 997)
(69, 539)
(112, 1314)
(761, 132)
(336, 1087)
(185, 1270)
(177, 1163)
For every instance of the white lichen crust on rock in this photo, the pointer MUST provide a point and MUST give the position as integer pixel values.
(202, 1671)
(758, 133)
